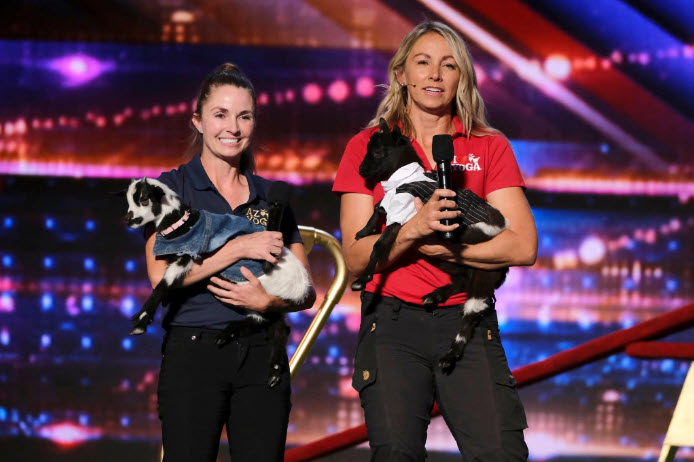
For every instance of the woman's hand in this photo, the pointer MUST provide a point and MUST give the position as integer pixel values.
(429, 215)
(263, 245)
(251, 295)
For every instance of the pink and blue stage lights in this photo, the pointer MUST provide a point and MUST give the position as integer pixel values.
(79, 69)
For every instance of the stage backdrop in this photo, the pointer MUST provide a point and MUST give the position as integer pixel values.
(596, 99)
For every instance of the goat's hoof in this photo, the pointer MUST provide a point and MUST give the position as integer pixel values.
(137, 330)
(429, 300)
(274, 380)
(447, 363)
(221, 340)
(362, 234)
(358, 285)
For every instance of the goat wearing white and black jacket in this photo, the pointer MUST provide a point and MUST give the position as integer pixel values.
(185, 234)
(391, 159)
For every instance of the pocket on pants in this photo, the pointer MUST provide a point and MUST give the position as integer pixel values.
(365, 364)
(509, 408)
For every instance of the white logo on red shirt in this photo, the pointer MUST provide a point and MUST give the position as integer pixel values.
(471, 165)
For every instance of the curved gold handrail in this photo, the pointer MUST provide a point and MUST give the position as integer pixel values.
(313, 236)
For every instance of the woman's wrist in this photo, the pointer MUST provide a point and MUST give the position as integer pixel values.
(408, 233)
(269, 303)
(232, 252)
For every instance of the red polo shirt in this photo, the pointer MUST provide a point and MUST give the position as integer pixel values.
(482, 164)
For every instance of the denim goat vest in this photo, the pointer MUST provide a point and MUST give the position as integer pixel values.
(209, 233)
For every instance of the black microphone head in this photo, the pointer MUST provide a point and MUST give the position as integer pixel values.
(442, 148)
(278, 193)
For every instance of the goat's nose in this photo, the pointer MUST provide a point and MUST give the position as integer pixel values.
(129, 215)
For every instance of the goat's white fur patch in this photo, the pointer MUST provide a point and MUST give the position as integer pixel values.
(488, 229)
(474, 305)
(255, 316)
(288, 279)
(175, 270)
(459, 338)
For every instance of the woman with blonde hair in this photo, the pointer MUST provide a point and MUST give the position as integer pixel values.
(433, 90)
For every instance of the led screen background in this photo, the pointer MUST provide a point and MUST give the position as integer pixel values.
(597, 113)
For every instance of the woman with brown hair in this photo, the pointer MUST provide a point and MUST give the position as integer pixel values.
(203, 386)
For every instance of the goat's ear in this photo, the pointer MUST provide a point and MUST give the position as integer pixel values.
(396, 131)
(383, 125)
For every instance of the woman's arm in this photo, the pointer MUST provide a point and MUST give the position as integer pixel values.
(516, 246)
(355, 211)
(257, 246)
(253, 295)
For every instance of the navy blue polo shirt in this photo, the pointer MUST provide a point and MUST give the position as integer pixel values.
(195, 306)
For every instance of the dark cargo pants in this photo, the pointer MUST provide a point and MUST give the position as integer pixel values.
(398, 379)
(203, 387)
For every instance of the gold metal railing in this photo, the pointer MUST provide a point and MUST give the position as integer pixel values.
(311, 237)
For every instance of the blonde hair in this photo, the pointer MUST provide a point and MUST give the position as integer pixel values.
(468, 104)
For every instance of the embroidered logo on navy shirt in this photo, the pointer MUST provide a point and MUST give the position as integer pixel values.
(257, 216)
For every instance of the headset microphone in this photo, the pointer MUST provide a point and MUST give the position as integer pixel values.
(442, 150)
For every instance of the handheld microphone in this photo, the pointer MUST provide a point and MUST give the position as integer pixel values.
(442, 150)
(277, 199)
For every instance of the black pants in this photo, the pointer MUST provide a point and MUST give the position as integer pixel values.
(202, 387)
(398, 379)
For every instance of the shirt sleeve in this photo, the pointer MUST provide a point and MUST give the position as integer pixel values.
(347, 178)
(173, 180)
(502, 170)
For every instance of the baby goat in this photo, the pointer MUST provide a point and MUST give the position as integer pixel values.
(391, 159)
(184, 234)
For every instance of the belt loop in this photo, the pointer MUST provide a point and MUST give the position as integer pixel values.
(396, 310)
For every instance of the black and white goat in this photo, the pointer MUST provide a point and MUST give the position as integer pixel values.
(391, 159)
(151, 201)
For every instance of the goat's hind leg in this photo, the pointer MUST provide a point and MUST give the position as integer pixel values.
(173, 277)
(468, 324)
(279, 333)
(380, 251)
(371, 227)
(481, 289)
(459, 281)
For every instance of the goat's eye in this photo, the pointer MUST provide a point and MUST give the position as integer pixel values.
(145, 202)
